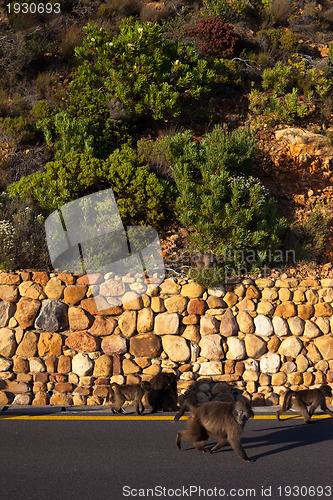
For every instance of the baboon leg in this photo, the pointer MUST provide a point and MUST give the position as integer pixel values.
(304, 411)
(325, 409)
(200, 445)
(312, 408)
(219, 444)
(137, 407)
(183, 436)
(141, 407)
(287, 404)
(279, 413)
(237, 446)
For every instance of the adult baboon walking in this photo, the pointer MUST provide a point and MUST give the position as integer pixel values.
(224, 420)
(311, 398)
(130, 392)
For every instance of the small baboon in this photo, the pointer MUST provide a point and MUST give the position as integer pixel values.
(304, 398)
(163, 393)
(130, 392)
(224, 420)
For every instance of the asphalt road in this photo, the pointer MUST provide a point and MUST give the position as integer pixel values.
(48, 454)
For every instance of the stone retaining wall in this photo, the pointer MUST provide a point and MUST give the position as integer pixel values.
(260, 336)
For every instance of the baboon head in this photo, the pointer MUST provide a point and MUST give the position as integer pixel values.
(242, 411)
(327, 391)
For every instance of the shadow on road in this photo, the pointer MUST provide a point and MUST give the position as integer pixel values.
(290, 436)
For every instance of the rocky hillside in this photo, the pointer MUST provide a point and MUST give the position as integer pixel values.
(110, 94)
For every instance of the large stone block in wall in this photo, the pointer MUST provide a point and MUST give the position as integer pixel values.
(170, 287)
(112, 288)
(325, 346)
(145, 321)
(73, 294)
(83, 342)
(280, 326)
(228, 325)
(270, 363)
(296, 326)
(103, 327)
(311, 330)
(50, 344)
(286, 310)
(210, 368)
(176, 348)
(192, 290)
(305, 311)
(255, 346)
(52, 316)
(132, 301)
(7, 342)
(323, 309)
(176, 303)
(127, 323)
(103, 366)
(31, 290)
(99, 305)
(146, 345)
(197, 306)
(26, 311)
(166, 324)
(245, 322)
(54, 289)
(208, 325)
(236, 348)
(78, 318)
(114, 344)
(82, 365)
(7, 310)
(8, 293)
(210, 347)
(28, 347)
(5, 364)
(290, 346)
(13, 279)
(263, 326)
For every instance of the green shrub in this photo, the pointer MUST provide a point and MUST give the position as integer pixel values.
(277, 78)
(142, 198)
(148, 74)
(312, 233)
(223, 209)
(231, 10)
(277, 109)
(17, 130)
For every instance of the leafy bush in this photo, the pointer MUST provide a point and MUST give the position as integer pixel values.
(314, 82)
(230, 10)
(219, 39)
(17, 130)
(277, 78)
(279, 39)
(148, 74)
(223, 209)
(277, 109)
(141, 197)
(313, 232)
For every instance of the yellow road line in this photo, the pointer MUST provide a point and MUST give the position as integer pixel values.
(129, 417)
